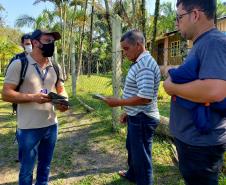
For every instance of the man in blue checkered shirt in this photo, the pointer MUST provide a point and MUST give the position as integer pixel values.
(140, 105)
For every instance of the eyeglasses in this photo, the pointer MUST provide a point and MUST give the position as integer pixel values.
(179, 17)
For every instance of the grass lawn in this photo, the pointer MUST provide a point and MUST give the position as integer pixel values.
(87, 151)
(102, 85)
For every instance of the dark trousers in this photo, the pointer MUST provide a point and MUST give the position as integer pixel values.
(139, 145)
(200, 165)
(36, 143)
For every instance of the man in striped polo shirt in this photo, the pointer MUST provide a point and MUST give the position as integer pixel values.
(140, 105)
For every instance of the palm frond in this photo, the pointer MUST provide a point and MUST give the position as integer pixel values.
(25, 20)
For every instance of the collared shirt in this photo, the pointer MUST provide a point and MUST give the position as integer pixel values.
(143, 80)
(33, 115)
(210, 50)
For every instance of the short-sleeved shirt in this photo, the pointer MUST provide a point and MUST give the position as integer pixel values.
(143, 81)
(210, 50)
(33, 115)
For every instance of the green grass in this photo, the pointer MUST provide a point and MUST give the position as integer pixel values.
(1, 81)
(87, 151)
(99, 84)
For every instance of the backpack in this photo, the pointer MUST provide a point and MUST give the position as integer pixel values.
(24, 66)
(17, 56)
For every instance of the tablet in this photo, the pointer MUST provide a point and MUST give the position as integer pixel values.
(53, 95)
(60, 101)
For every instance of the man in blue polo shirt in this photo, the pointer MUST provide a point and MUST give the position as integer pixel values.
(140, 104)
(200, 155)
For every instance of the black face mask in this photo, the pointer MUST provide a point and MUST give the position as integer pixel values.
(47, 49)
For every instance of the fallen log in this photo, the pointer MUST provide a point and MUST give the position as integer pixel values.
(163, 127)
(87, 107)
(163, 130)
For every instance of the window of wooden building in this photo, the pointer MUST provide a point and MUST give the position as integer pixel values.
(175, 49)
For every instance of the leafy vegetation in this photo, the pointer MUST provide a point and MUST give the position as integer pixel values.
(9, 45)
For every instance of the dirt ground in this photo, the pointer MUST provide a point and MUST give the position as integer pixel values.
(79, 151)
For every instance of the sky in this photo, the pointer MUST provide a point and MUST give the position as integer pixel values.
(16, 8)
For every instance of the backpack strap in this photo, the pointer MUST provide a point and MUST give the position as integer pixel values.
(24, 65)
(57, 70)
(17, 56)
(10, 62)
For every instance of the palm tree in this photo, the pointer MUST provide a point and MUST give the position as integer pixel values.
(61, 7)
(81, 39)
(143, 19)
(108, 16)
(156, 15)
(26, 20)
(2, 9)
(221, 9)
(134, 2)
(90, 40)
(167, 18)
(44, 20)
(119, 9)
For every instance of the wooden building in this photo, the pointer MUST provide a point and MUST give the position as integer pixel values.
(171, 48)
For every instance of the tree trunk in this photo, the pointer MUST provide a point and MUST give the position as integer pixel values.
(143, 19)
(156, 15)
(70, 41)
(81, 42)
(62, 47)
(73, 71)
(125, 16)
(134, 12)
(90, 41)
(108, 17)
(97, 67)
(63, 40)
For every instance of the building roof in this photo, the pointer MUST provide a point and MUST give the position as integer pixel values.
(221, 18)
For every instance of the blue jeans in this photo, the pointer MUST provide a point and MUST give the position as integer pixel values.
(139, 145)
(200, 165)
(36, 143)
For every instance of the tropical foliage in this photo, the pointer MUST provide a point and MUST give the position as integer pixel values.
(9, 42)
(85, 26)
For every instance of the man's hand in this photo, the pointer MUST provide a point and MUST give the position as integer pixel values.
(61, 107)
(168, 86)
(111, 101)
(123, 118)
(40, 98)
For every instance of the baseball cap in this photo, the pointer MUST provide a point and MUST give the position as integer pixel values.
(38, 33)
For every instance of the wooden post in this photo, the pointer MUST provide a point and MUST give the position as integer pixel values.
(73, 71)
(166, 52)
(116, 65)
